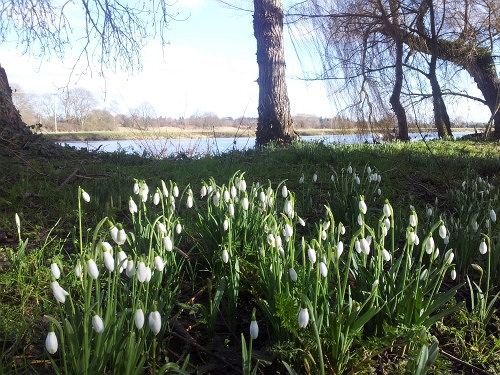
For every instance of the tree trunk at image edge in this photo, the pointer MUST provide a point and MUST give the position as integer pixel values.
(395, 99)
(275, 122)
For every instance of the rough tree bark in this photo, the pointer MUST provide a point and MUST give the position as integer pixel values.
(395, 99)
(275, 122)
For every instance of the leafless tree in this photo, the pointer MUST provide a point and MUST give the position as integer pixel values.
(78, 103)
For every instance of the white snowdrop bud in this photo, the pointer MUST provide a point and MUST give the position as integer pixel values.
(349, 169)
(412, 238)
(429, 211)
(242, 185)
(132, 207)
(360, 220)
(362, 206)
(159, 265)
(122, 260)
(483, 248)
(449, 256)
(323, 235)
(226, 196)
(130, 270)
(92, 269)
(216, 198)
(85, 196)
(18, 222)
(114, 233)
(475, 226)
(303, 318)
(301, 221)
(161, 228)
(340, 249)
(293, 274)
(368, 170)
(435, 254)
(78, 270)
(58, 292)
(424, 274)
(203, 191)
(56, 272)
(453, 274)
(156, 198)
(288, 231)
(230, 209)
(167, 242)
(271, 240)
(341, 228)
(357, 180)
(262, 198)
(142, 272)
(254, 329)
(121, 237)
(387, 210)
(384, 231)
(365, 246)
(442, 231)
(178, 228)
(225, 225)
(234, 192)
(287, 208)
(279, 243)
(136, 188)
(109, 262)
(139, 318)
(386, 255)
(357, 246)
(416, 240)
(379, 192)
(97, 324)
(413, 220)
(446, 240)
(311, 254)
(51, 342)
(244, 203)
(164, 189)
(323, 270)
(315, 177)
(387, 223)
(284, 191)
(493, 216)
(154, 322)
(143, 192)
(477, 267)
(429, 245)
(175, 191)
(225, 256)
(332, 178)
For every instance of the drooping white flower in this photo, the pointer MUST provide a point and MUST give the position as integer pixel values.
(78, 270)
(301, 221)
(429, 245)
(51, 344)
(226, 196)
(121, 260)
(384, 231)
(475, 226)
(142, 272)
(121, 238)
(483, 248)
(18, 222)
(59, 293)
(284, 191)
(254, 329)
(311, 254)
(56, 272)
(357, 246)
(442, 231)
(242, 185)
(323, 270)
(154, 322)
(303, 318)
(379, 192)
(387, 210)
(109, 262)
(85, 196)
(429, 211)
(159, 265)
(143, 192)
(225, 256)
(161, 228)
(271, 240)
(279, 243)
(136, 188)
(412, 238)
(175, 191)
(164, 189)
(216, 198)
(203, 191)
(139, 318)
(262, 198)
(189, 201)
(387, 223)
(167, 242)
(234, 192)
(340, 249)
(360, 219)
(362, 206)
(114, 233)
(341, 228)
(225, 224)
(288, 231)
(315, 177)
(92, 269)
(349, 169)
(156, 198)
(293, 274)
(386, 255)
(449, 256)
(130, 270)
(368, 170)
(357, 180)
(288, 208)
(132, 207)
(453, 274)
(97, 324)
(230, 209)
(244, 203)
(365, 246)
(413, 220)
(178, 228)
(323, 235)
(493, 216)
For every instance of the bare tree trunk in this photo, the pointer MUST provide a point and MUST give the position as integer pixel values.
(275, 122)
(395, 99)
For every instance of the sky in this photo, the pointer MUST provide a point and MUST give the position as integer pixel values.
(208, 66)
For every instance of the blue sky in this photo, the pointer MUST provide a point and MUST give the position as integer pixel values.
(209, 65)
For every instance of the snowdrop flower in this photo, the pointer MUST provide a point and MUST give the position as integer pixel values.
(301, 221)
(301, 179)
(287, 208)
(130, 270)
(442, 231)
(244, 203)
(315, 177)
(109, 262)
(429, 211)
(429, 245)
(92, 269)
(136, 188)
(311, 254)
(161, 228)
(97, 324)
(424, 274)
(375, 285)
(475, 226)
(122, 260)
(293, 274)
(154, 322)
(493, 216)
(446, 240)
(225, 256)
(139, 318)
(477, 267)
(483, 248)
(254, 327)
(143, 192)
(105, 246)
(448, 257)
(242, 185)
(357, 180)
(56, 272)
(453, 274)
(386, 255)
(85, 196)
(368, 170)
(413, 220)
(159, 265)
(288, 231)
(143, 272)
(114, 233)
(384, 230)
(271, 240)
(178, 228)
(323, 235)
(303, 318)
(435, 254)
(362, 206)
(365, 246)
(226, 196)
(203, 191)
(340, 249)
(164, 189)
(349, 169)
(230, 209)
(78, 270)
(332, 178)
(121, 237)
(341, 228)
(412, 238)
(284, 191)
(387, 223)
(225, 225)
(59, 293)
(233, 192)
(322, 269)
(379, 192)
(360, 219)
(262, 198)
(279, 243)
(18, 222)
(175, 191)
(357, 246)
(216, 198)
(51, 342)
(132, 207)
(387, 210)
(416, 239)
(167, 242)
(156, 198)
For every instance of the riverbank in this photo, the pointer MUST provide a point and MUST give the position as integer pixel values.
(190, 133)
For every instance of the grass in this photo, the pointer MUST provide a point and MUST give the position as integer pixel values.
(44, 192)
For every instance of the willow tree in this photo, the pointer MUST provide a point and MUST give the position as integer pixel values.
(275, 122)
(108, 33)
